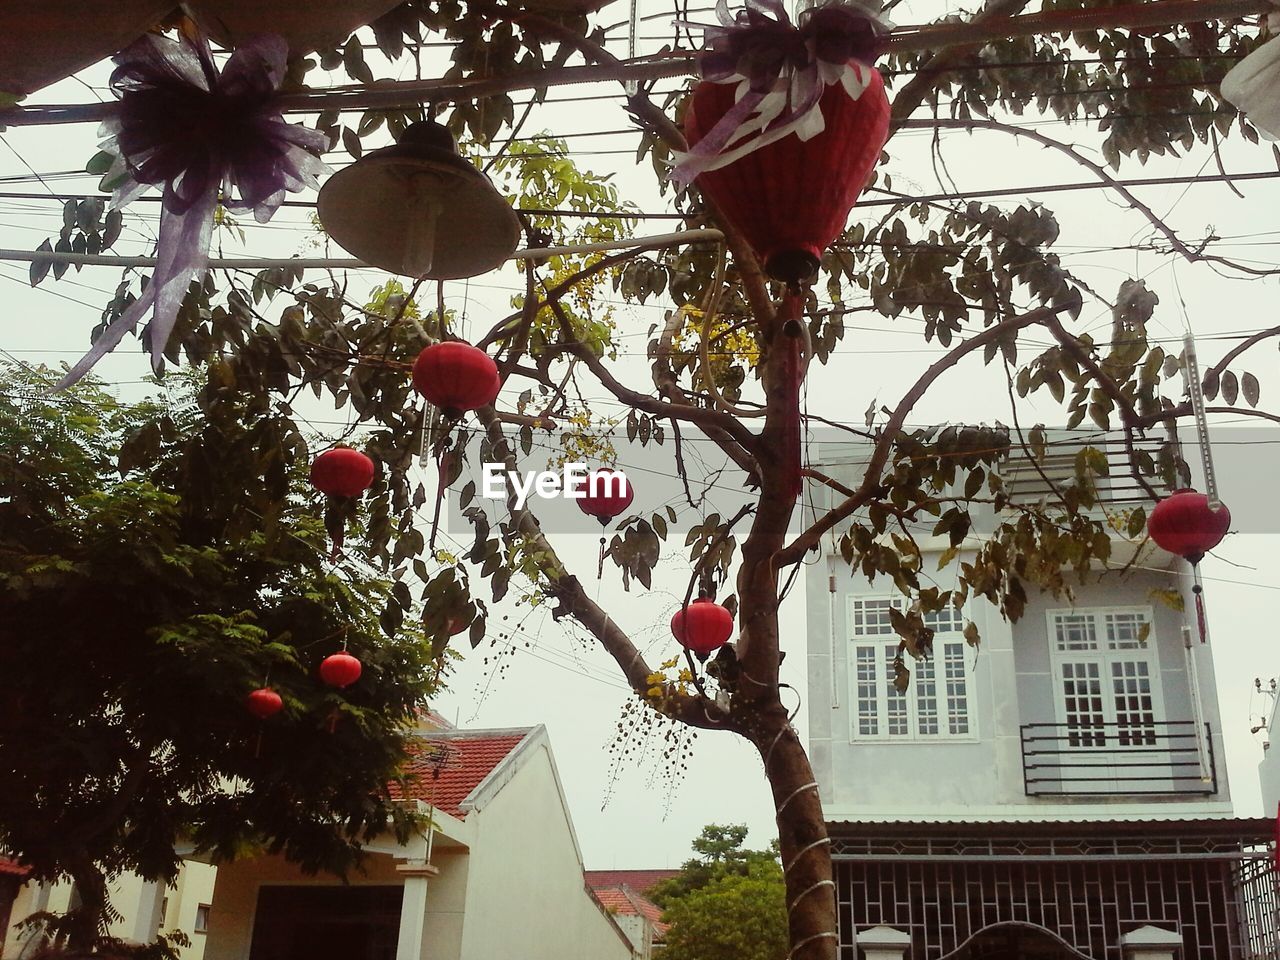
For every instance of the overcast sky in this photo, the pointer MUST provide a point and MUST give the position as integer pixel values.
(638, 812)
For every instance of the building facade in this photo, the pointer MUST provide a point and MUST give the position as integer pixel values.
(1057, 790)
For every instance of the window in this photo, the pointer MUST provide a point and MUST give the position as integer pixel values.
(202, 918)
(935, 704)
(1105, 661)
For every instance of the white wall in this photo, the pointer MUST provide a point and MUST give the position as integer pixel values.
(519, 884)
(526, 877)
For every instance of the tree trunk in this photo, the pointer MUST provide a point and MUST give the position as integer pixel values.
(84, 925)
(802, 837)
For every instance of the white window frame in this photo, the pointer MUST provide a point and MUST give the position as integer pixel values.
(1149, 652)
(952, 640)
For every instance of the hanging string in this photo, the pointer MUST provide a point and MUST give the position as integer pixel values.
(1197, 589)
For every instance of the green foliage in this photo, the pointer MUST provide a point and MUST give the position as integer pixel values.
(720, 856)
(734, 917)
(145, 594)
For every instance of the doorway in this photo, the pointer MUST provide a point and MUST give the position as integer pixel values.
(326, 923)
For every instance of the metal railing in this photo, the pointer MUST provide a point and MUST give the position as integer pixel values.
(1118, 759)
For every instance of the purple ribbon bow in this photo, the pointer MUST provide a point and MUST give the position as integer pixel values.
(781, 70)
(202, 137)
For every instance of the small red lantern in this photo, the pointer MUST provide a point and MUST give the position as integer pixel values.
(605, 494)
(703, 627)
(456, 377)
(1185, 524)
(340, 670)
(791, 198)
(342, 472)
(263, 703)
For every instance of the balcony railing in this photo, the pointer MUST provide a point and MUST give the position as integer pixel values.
(1118, 759)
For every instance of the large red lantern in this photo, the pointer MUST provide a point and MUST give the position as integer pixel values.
(791, 198)
(263, 703)
(703, 627)
(605, 494)
(1185, 524)
(342, 472)
(456, 377)
(340, 670)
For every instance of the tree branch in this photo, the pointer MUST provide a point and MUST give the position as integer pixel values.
(573, 599)
(1178, 245)
(870, 486)
(639, 401)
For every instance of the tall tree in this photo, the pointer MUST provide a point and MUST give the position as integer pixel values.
(146, 593)
(737, 916)
(978, 277)
(720, 854)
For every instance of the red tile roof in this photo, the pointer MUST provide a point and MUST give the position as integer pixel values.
(446, 767)
(642, 881)
(622, 899)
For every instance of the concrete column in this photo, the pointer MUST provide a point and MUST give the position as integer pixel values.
(1151, 943)
(148, 917)
(882, 943)
(413, 908)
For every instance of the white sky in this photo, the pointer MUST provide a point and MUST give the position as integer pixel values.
(571, 687)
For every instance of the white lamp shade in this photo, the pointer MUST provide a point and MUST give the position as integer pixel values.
(419, 210)
(43, 41)
(1253, 87)
(304, 26)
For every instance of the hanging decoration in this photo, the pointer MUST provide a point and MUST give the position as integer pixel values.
(342, 472)
(787, 125)
(202, 137)
(44, 41)
(1187, 523)
(264, 703)
(703, 627)
(340, 670)
(601, 496)
(419, 209)
(313, 25)
(1252, 86)
(456, 377)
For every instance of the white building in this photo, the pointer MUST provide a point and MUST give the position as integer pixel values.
(144, 908)
(1050, 792)
(498, 874)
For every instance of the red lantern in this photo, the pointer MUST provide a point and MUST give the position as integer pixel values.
(342, 472)
(1185, 524)
(263, 703)
(791, 198)
(340, 670)
(703, 627)
(456, 377)
(605, 494)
